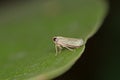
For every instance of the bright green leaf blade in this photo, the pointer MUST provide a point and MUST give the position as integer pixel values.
(26, 47)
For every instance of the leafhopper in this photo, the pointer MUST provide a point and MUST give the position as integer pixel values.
(68, 43)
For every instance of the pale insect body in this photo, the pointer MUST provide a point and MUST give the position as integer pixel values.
(68, 43)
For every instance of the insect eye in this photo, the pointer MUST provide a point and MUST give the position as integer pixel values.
(54, 39)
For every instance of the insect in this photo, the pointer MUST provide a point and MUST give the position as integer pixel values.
(69, 43)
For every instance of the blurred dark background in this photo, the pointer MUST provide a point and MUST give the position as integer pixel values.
(101, 59)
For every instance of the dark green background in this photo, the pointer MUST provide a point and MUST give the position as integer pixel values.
(101, 59)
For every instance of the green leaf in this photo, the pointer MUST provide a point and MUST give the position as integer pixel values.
(26, 30)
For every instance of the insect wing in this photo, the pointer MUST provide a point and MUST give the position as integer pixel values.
(71, 42)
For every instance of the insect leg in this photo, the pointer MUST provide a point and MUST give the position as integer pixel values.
(68, 48)
(58, 49)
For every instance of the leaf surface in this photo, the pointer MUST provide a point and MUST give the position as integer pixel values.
(26, 30)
